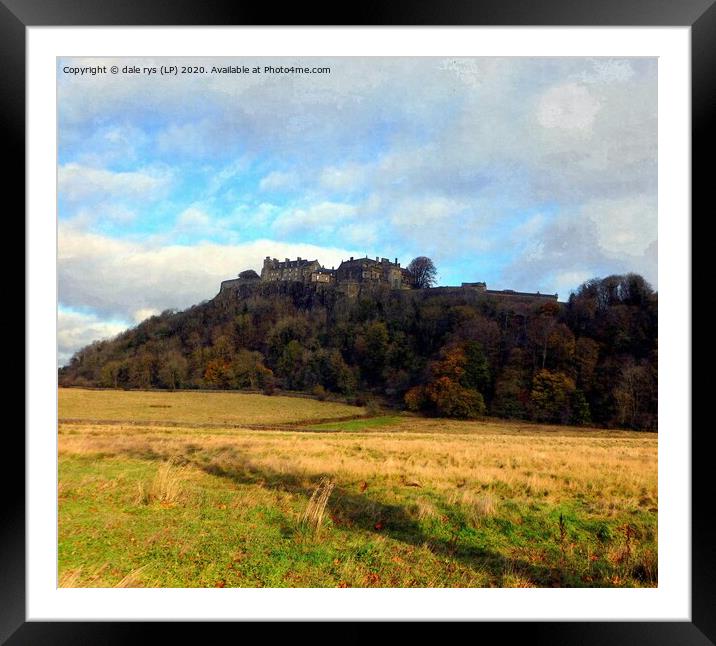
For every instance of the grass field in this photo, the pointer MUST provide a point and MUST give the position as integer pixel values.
(195, 407)
(200, 490)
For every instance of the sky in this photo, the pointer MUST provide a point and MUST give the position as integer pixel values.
(533, 174)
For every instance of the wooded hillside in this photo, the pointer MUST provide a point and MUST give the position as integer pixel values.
(455, 353)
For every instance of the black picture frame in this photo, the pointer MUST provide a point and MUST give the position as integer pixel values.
(700, 15)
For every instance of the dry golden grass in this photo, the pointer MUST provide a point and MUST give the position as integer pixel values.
(71, 579)
(165, 488)
(194, 407)
(316, 508)
(613, 471)
(133, 579)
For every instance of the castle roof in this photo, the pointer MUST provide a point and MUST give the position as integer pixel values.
(367, 261)
(299, 262)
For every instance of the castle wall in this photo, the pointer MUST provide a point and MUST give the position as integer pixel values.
(229, 284)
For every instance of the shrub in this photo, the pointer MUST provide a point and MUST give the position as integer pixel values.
(450, 399)
(372, 407)
(319, 392)
(415, 398)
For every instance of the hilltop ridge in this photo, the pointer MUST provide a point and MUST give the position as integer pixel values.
(455, 351)
(352, 275)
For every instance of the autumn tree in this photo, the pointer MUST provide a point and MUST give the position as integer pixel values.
(111, 374)
(422, 272)
(173, 370)
(586, 356)
(539, 330)
(551, 397)
(290, 367)
(249, 371)
(512, 393)
(454, 378)
(450, 399)
(218, 374)
(635, 395)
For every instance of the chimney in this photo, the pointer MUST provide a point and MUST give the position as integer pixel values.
(351, 257)
(396, 262)
(299, 258)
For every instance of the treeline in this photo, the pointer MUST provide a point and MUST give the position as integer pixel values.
(459, 353)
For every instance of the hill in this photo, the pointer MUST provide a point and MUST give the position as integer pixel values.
(447, 352)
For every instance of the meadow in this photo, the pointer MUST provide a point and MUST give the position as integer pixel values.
(201, 489)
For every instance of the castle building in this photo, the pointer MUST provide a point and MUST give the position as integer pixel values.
(367, 270)
(290, 270)
(324, 276)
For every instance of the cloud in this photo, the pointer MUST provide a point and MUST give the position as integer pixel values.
(348, 177)
(606, 236)
(569, 106)
(77, 182)
(197, 138)
(144, 313)
(117, 278)
(117, 143)
(361, 233)
(448, 157)
(279, 181)
(193, 218)
(624, 227)
(324, 216)
(608, 71)
(75, 330)
(566, 281)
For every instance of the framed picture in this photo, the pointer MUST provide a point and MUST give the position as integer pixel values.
(50, 48)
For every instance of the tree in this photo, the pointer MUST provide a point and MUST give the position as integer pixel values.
(455, 377)
(218, 374)
(477, 369)
(173, 370)
(110, 374)
(450, 399)
(372, 348)
(540, 328)
(580, 409)
(512, 393)
(291, 366)
(586, 355)
(422, 272)
(635, 395)
(551, 397)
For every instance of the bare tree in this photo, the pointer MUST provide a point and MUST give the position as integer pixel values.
(422, 272)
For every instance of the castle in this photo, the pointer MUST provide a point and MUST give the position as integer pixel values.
(353, 274)
(349, 276)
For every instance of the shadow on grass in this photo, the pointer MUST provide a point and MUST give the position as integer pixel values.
(359, 511)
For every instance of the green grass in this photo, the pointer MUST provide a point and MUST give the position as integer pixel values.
(230, 530)
(457, 505)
